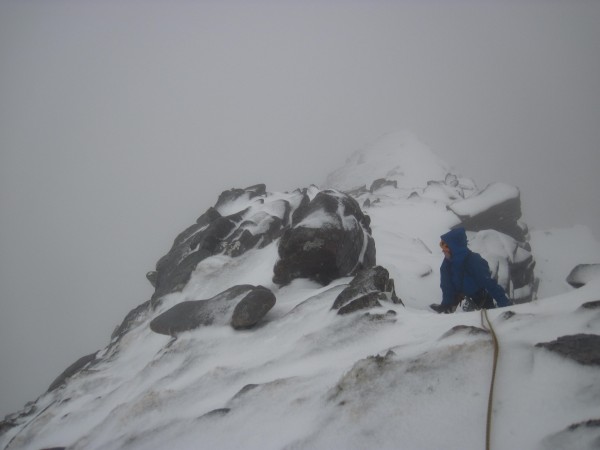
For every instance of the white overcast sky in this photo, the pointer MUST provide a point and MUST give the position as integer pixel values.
(121, 122)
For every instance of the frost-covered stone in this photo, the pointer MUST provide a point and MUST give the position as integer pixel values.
(511, 263)
(252, 308)
(365, 301)
(233, 195)
(381, 183)
(241, 220)
(331, 239)
(581, 435)
(591, 305)
(497, 207)
(73, 369)
(583, 274)
(367, 281)
(130, 319)
(464, 330)
(582, 348)
(189, 315)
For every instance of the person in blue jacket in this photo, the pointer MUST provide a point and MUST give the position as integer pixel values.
(466, 274)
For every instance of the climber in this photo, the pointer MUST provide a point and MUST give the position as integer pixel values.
(465, 274)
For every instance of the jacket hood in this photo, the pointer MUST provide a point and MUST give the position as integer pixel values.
(456, 240)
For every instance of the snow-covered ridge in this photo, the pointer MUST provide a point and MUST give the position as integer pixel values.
(306, 377)
(398, 156)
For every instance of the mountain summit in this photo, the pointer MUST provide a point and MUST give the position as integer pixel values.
(398, 157)
(299, 321)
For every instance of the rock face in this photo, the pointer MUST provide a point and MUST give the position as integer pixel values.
(365, 290)
(231, 227)
(581, 435)
(583, 274)
(221, 309)
(73, 369)
(330, 238)
(582, 348)
(497, 207)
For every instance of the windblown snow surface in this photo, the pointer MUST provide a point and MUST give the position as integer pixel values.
(307, 378)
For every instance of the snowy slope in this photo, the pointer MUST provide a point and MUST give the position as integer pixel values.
(307, 378)
(398, 156)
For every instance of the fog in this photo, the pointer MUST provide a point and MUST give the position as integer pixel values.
(121, 122)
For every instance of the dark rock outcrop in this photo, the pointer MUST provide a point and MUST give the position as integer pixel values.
(591, 305)
(130, 319)
(15, 419)
(366, 301)
(234, 194)
(583, 274)
(582, 348)
(501, 213)
(252, 308)
(256, 226)
(365, 289)
(581, 435)
(331, 238)
(464, 329)
(242, 306)
(382, 182)
(190, 315)
(73, 369)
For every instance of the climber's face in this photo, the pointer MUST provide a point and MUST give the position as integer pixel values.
(445, 249)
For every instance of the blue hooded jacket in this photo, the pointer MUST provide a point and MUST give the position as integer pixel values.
(466, 272)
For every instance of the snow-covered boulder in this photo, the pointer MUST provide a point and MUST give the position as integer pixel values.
(510, 261)
(497, 207)
(233, 195)
(331, 239)
(583, 274)
(242, 219)
(252, 308)
(218, 310)
(365, 289)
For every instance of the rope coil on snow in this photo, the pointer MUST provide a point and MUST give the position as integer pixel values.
(490, 328)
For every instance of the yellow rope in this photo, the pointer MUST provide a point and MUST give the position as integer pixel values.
(490, 328)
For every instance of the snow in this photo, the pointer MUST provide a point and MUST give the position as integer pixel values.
(557, 252)
(492, 195)
(303, 379)
(396, 156)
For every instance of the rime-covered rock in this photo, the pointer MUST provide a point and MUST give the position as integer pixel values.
(511, 263)
(381, 183)
(241, 220)
(366, 301)
(582, 348)
(73, 369)
(330, 239)
(375, 280)
(252, 308)
(583, 274)
(581, 435)
(497, 207)
(189, 315)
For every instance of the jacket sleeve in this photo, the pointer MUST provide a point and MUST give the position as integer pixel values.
(448, 291)
(479, 269)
